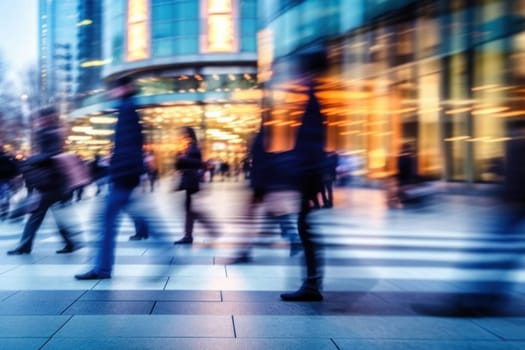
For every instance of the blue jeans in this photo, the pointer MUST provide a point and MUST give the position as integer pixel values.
(116, 201)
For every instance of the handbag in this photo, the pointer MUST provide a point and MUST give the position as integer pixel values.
(74, 170)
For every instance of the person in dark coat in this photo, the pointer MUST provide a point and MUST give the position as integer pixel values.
(310, 159)
(8, 170)
(125, 170)
(49, 182)
(190, 164)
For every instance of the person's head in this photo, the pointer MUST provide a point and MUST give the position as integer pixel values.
(122, 87)
(189, 133)
(47, 116)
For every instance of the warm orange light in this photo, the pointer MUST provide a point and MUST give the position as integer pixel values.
(138, 33)
(220, 35)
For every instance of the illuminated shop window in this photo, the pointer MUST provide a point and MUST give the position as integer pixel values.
(220, 34)
(138, 33)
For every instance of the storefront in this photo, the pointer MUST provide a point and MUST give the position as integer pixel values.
(446, 76)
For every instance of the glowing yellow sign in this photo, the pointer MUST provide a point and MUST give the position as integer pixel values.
(138, 33)
(220, 35)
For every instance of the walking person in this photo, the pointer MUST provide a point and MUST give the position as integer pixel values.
(8, 170)
(310, 160)
(125, 169)
(190, 164)
(41, 174)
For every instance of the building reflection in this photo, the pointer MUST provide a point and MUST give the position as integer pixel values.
(445, 75)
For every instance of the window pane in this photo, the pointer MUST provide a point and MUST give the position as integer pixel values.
(163, 30)
(163, 48)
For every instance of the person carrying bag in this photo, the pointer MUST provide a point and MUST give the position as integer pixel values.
(43, 175)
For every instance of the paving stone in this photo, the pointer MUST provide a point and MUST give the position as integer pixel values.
(189, 344)
(506, 328)
(373, 327)
(234, 308)
(147, 326)
(109, 308)
(152, 295)
(346, 344)
(30, 326)
(22, 344)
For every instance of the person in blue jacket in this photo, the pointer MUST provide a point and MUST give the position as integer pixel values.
(125, 169)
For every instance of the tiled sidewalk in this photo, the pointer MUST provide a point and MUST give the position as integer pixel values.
(379, 265)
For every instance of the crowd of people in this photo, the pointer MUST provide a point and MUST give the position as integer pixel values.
(287, 185)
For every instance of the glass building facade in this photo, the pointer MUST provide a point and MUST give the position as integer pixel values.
(57, 50)
(444, 75)
(194, 62)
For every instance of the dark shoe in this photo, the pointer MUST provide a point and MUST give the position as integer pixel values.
(184, 240)
(137, 237)
(69, 249)
(92, 275)
(303, 294)
(19, 251)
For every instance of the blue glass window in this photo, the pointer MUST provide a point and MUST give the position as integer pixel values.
(162, 12)
(163, 29)
(162, 48)
(187, 28)
(187, 45)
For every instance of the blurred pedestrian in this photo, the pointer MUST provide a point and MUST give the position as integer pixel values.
(329, 177)
(125, 169)
(41, 173)
(152, 171)
(8, 171)
(274, 185)
(189, 163)
(311, 160)
(99, 172)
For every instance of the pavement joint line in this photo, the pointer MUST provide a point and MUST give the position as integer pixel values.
(335, 344)
(74, 302)
(153, 307)
(166, 283)
(55, 332)
(501, 338)
(233, 324)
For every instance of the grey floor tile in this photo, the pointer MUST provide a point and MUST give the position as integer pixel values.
(373, 327)
(6, 294)
(234, 308)
(249, 296)
(38, 302)
(152, 295)
(25, 344)
(110, 308)
(30, 326)
(147, 326)
(346, 344)
(185, 343)
(506, 328)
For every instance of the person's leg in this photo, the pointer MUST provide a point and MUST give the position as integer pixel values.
(69, 227)
(117, 199)
(189, 221)
(311, 288)
(33, 224)
(289, 230)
